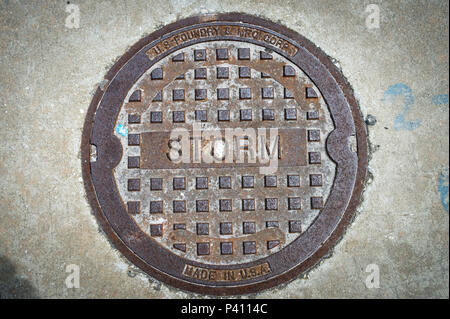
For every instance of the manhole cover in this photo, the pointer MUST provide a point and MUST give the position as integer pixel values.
(225, 155)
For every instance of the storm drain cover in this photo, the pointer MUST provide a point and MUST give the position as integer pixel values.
(224, 155)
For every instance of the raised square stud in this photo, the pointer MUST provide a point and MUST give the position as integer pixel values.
(156, 230)
(226, 248)
(179, 183)
(156, 207)
(245, 93)
(201, 115)
(265, 56)
(223, 94)
(200, 94)
(200, 74)
(313, 135)
(178, 58)
(294, 203)
(272, 244)
(316, 202)
(246, 115)
(268, 115)
(222, 72)
(288, 71)
(200, 55)
(158, 97)
(272, 224)
(133, 139)
(225, 205)
(134, 119)
(134, 185)
(270, 181)
(288, 94)
(293, 181)
(180, 246)
(267, 93)
(244, 53)
(290, 114)
(312, 115)
(249, 247)
(248, 204)
(201, 182)
(315, 180)
(248, 227)
(202, 229)
(156, 184)
(134, 207)
(314, 158)
(135, 97)
(310, 93)
(248, 181)
(271, 203)
(224, 182)
(202, 249)
(202, 206)
(226, 228)
(156, 74)
(179, 206)
(133, 161)
(244, 72)
(223, 115)
(295, 226)
(178, 94)
(178, 117)
(156, 117)
(222, 54)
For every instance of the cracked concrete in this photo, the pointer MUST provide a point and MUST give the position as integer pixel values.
(48, 76)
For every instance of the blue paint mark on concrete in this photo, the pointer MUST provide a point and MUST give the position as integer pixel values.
(390, 95)
(443, 188)
(122, 130)
(440, 99)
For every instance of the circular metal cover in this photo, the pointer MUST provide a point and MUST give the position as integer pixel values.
(155, 154)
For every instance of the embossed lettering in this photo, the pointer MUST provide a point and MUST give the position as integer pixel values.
(221, 30)
(226, 274)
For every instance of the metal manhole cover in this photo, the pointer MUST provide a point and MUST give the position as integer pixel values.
(225, 155)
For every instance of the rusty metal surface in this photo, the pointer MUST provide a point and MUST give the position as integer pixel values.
(224, 228)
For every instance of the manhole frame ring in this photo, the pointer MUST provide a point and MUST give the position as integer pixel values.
(361, 138)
